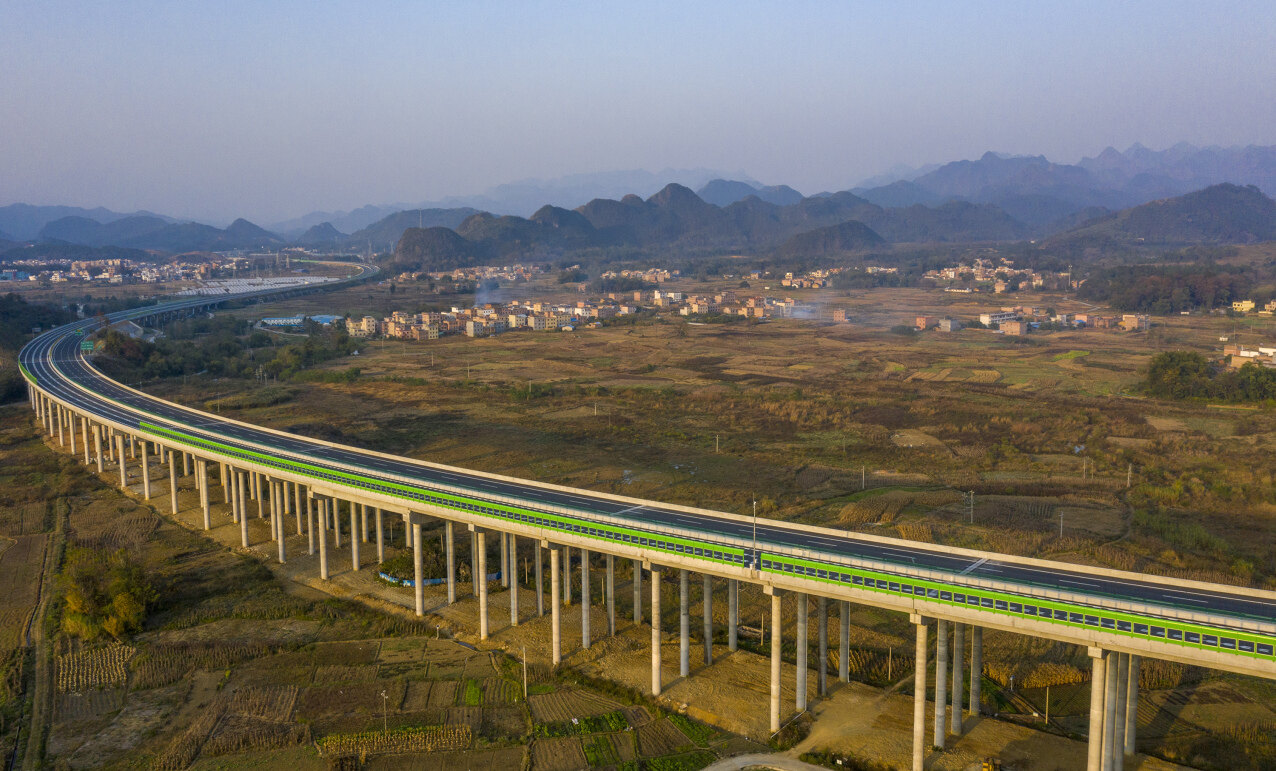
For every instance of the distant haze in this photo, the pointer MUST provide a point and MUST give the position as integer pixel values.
(269, 111)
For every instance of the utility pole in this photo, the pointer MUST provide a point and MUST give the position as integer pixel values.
(715, 443)
(972, 507)
(755, 533)
(863, 477)
(525, 657)
(1129, 475)
(385, 721)
(1061, 524)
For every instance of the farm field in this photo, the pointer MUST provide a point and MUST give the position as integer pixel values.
(847, 425)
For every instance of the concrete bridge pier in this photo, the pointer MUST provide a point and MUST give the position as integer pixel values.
(241, 482)
(310, 523)
(540, 582)
(172, 480)
(822, 679)
(959, 674)
(97, 446)
(363, 522)
(655, 625)
(297, 506)
(684, 626)
(70, 429)
(802, 650)
(119, 440)
(777, 640)
(481, 538)
(204, 504)
(733, 614)
(335, 521)
(146, 471)
(1122, 694)
(449, 540)
(186, 463)
(555, 612)
(323, 538)
(941, 683)
(222, 477)
(84, 436)
(976, 668)
(281, 495)
(258, 494)
(610, 590)
(474, 566)
(1111, 672)
(57, 418)
(510, 569)
(1098, 687)
(380, 527)
(919, 690)
(584, 599)
(567, 575)
(505, 561)
(637, 592)
(707, 594)
(418, 574)
(1131, 703)
(844, 641)
(354, 542)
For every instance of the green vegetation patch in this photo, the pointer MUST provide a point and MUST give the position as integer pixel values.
(691, 761)
(612, 721)
(1070, 355)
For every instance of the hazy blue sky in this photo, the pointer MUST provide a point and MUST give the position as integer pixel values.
(272, 109)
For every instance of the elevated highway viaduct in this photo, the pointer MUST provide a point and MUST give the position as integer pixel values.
(1119, 617)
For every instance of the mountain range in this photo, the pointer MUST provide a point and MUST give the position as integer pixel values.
(994, 198)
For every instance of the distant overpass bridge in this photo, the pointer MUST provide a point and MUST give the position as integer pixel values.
(1118, 616)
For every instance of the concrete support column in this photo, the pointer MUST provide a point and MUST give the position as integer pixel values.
(976, 668)
(511, 569)
(297, 506)
(655, 623)
(684, 626)
(959, 674)
(258, 494)
(97, 446)
(310, 523)
(610, 590)
(540, 583)
(474, 565)
(70, 430)
(418, 574)
(84, 435)
(919, 692)
(380, 526)
(555, 611)
(707, 597)
(941, 683)
(1131, 705)
(802, 650)
(282, 494)
(585, 599)
(1098, 680)
(1118, 728)
(354, 542)
(777, 640)
(844, 642)
(57, 418)
(241, 482)
(505, 561)
(637, 592)
(1109, 710)
(204, 504)
(822, 627)
(363, 522)
(186, 463)
(733, 614)
(119, 442)
(449, 542)
(172, 480)
(567, 575)
(223, 476)
(324, 504)
(272, 491)
(481, 537)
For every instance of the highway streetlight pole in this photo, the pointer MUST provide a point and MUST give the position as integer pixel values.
(755, 534)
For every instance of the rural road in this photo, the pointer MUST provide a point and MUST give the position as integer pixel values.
(760, 760)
